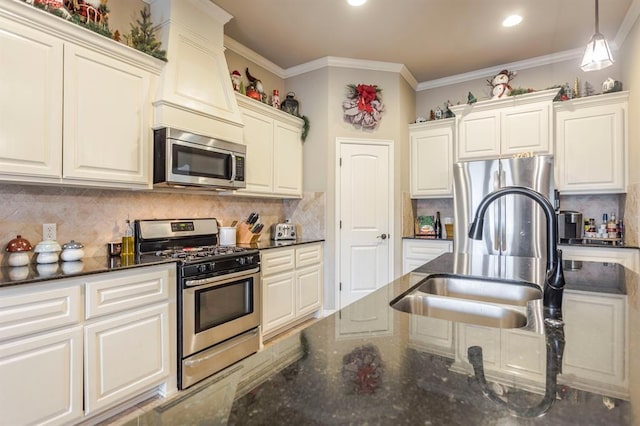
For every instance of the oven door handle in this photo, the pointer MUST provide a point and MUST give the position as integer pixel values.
(218, 278)
(241, 340)
(233, 168)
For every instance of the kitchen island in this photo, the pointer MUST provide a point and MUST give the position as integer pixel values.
(368, 364)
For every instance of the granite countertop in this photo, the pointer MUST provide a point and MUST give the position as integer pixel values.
(33, 273)
(359, 366)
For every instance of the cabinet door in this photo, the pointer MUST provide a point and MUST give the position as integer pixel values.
(308, 289)
(287, 178)
(595, 332)
(478, 135)
(258, 137)
(278, 300)
(523, 354)
(277, 260)
(431, 334)
(41, 379)
(526, 128)
(30, 103)
(431, 162)
(125, 355)
(591, 148)
(107, 126)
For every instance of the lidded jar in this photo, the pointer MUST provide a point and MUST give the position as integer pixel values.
(72, 251)
(47, 251)
(17, 249)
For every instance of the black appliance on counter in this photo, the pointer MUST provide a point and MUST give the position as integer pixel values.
(218, 293)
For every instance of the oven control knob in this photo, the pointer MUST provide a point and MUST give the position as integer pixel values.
(241, 260)
(202, 268)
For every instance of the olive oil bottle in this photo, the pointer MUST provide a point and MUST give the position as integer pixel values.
(127, 241)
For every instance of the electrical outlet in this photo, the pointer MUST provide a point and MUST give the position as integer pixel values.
(49, 231)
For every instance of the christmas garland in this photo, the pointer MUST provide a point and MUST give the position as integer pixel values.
(363, 106)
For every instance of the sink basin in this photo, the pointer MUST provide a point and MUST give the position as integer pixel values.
(472, 300)
(481, 289)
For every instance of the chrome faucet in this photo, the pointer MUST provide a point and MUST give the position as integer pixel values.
(554, 277)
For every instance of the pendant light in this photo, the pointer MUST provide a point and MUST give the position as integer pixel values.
(597, 55)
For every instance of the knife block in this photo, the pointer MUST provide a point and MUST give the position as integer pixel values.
(244, 234)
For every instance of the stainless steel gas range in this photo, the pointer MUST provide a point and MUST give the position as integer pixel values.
(218, 294)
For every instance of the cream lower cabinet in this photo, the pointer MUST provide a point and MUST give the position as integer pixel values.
(274, 150)
(75, 106)
(74, 348)
(431, 159)
(505, 127)
(417, 252)
(41, 354)
(591, 144)
(596, 333)
(594, 352)
(627, 257)
(292, 281)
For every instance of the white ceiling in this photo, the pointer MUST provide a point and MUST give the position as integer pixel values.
(432, 38)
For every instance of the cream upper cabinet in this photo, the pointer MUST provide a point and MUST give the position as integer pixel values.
(505, 127)
(591, 144)
(30, 102)
(75, 107)
(431, 159)
(107, 131)
(274, 150)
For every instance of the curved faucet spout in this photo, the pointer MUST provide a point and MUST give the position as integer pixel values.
(554, 280)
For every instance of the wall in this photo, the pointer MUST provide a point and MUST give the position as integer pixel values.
(269, 80)
(321, 93)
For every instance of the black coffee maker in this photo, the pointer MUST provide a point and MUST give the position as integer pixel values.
(570, 227)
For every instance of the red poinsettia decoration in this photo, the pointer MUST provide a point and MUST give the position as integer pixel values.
(363, 106)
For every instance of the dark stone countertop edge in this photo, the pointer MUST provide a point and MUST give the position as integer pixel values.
(11, 276)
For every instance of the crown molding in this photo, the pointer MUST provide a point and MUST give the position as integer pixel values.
(627, 24)
(254, 57)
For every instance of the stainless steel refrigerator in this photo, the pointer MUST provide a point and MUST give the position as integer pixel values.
(514, 225)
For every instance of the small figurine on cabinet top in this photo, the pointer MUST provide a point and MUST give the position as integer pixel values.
(275, 99)
(500, 83)
(611, 85)
(236, 80)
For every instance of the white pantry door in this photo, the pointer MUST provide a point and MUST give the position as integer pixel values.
(365, 218)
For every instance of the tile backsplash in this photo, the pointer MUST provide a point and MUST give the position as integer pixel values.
(97, 216)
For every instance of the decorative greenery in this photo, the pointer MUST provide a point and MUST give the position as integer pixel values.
(305, 127)
(143, 37)
(521, 91)
(101, 29)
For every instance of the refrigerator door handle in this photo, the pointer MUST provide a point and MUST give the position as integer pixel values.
(503, 215)
(496, 214)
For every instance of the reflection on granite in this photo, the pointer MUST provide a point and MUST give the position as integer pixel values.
(33, 273)
(269, 244)
(359, 366)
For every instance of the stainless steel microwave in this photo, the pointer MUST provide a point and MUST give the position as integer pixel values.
(184, 159)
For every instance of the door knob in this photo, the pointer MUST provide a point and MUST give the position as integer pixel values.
(383, 236)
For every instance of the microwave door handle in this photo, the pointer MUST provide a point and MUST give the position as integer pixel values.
(233, 167)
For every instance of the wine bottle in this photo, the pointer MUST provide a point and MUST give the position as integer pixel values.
(438, 226)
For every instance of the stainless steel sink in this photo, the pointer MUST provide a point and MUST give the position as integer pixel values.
(481, 289)
(480, 301)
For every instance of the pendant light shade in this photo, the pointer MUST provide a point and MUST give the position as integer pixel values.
(597, 55)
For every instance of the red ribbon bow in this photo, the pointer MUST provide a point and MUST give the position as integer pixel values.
(367, 93)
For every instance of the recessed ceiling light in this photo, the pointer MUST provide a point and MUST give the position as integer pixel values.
(512, 20)
(356, 2)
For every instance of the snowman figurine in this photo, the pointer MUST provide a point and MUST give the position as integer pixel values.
(500, 83)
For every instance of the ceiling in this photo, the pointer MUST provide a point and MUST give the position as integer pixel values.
(432, 38)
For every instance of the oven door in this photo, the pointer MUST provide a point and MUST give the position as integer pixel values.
(220, 309)
(194, 164)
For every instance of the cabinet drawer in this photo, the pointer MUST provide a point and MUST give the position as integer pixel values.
(426, 249)
(275, 261)
(119, 291)
(308, 255)
(31, 310)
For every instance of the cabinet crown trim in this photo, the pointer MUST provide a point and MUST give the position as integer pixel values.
(446, 122)
(601, 99)
(511, 101)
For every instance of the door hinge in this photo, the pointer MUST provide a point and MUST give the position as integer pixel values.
(340, 161)
(340, 224)
(340, 287)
